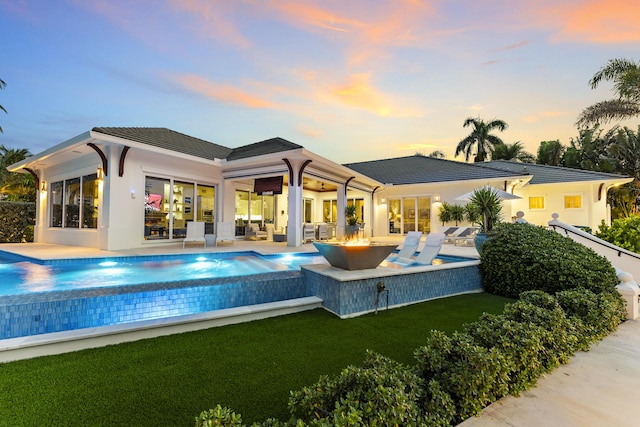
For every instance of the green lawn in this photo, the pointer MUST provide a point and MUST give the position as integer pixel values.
(249, 367)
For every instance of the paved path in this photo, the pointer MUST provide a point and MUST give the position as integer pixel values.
(595, 389)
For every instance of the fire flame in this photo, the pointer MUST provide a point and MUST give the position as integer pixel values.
(355, 241)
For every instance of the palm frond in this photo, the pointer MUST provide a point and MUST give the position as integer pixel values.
(606, 111)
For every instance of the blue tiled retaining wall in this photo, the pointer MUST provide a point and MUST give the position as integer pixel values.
(39, 313)
(352, 297)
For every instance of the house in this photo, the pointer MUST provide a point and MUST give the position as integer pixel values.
(117, 188)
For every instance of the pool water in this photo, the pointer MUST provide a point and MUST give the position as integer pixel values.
(23, 277)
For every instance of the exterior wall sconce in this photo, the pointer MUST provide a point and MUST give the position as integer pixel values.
(436, 198)
(43, 187)
(100, 174)
(383, 201)
(133, 194)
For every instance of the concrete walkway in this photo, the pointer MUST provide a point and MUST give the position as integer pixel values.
(595, 389)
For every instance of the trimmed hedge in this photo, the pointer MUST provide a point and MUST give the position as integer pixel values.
(456, 376)
(524, 257)
(18, 220)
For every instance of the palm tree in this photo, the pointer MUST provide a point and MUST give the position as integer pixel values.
(550, 153)
(514, 152)
(2, 85)
(625, 75)
(16, 186)
(480, 138)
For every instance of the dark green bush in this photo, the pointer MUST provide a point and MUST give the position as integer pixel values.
(560, 338)
(623, 232)
(382, 392)
(596, 314)
(18, 220)
(524, 257)
(472, 375)
(520, 343)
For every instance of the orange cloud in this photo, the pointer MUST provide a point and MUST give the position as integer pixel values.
(222, 92)
(358, 92)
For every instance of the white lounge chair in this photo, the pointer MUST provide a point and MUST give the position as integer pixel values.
(465, 236)
(195, 233)
(409, 247)
(432, 246)
(225, 232)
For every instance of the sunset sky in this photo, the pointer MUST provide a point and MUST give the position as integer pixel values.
(350, 80)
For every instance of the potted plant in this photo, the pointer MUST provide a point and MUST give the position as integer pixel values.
(351, 212)
(485, 202)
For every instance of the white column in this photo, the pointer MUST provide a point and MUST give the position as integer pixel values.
(341, 221)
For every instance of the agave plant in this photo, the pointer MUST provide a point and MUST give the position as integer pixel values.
(486, 203)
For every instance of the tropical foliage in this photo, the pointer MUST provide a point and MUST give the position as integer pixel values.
(625, 75)
(514, 152)
(480, 140)
(15, 186)
(550, 153)
(623, 232)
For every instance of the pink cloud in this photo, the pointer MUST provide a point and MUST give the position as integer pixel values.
(222, 92)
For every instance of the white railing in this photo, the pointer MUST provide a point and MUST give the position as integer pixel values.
(626, 263)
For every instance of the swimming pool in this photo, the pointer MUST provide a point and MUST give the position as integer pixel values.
(41, 297)
(24, 276)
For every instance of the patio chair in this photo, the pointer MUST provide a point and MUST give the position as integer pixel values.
(254, 232)
(323, 232)
(409, 247)
(464, 236)
(452, 233)
(195, 233)
(225, 232)
(432, 246)
(308, 232)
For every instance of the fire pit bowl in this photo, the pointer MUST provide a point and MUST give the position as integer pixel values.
(354, 257)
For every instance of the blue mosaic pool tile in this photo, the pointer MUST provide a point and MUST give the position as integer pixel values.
(349, 298)
(53, 312)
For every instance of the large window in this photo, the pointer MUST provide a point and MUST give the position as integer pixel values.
(74, 202)
(329, 211)
(171, 204)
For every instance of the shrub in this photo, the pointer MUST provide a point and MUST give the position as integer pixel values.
(520, 343)
(561, 336)
(381, 392)
(18, 220)
(219, 416)
(473, 376)
(623, 232)
(597, 315)
(524, 257)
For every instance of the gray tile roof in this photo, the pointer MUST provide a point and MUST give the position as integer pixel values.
(168, 139)
(544, 174)
(421, 169)
(268, 146)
